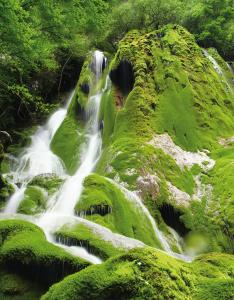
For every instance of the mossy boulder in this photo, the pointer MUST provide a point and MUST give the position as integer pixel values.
(37, 193)
(6, 190)
(104, 203)
(24, 250)
(18, 287)
(81, 235)
(67, 142)
(148, 274)
(175, 90)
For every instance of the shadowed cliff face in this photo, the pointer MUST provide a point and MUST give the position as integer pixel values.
(123, 77)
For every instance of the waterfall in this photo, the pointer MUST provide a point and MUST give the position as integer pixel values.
(63, 203)
(218, 69)
(133, 197)
(73, 186)
(37, 159)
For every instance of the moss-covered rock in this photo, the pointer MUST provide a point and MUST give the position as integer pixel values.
(176, 90)
(67, 142)
(6, 190)
(18, 287)
(81, 235)
(38, 191)
(24, 250)
(104, 203)
(149, 274)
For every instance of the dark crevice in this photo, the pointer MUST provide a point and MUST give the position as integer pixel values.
(172, 218)
(101, 210)
(123, 77)
(75, 242)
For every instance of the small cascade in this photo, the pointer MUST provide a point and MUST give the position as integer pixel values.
(133, 197)
(72, 188)
(37, 159)
(217, 68)
(64, 201)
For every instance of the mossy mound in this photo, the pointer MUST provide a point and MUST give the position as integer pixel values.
(81, 235)
(16, 287)
(37, 192)
(6, 190)
(104, 203)
(174, 89)
(34, 201)
(24, 250)
(67, 142)
(147, 274)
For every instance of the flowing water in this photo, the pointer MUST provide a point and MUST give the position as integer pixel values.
(218, 69)
(134, 198)
(38, 159)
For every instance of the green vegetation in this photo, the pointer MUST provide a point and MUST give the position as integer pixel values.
(67, 143)
(103, 202)
(34, 201)
(37, 192)
(15, 287)
(84, 236)
(149, 274)
(5, 191)
(24, 250)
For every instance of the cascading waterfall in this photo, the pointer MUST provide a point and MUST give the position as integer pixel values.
(64, 201)
(39, 159)
(133, 197)
(218, 69)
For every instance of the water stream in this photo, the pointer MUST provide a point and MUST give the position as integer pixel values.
(38, 159)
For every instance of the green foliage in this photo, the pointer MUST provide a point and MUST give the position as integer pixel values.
(212, 23)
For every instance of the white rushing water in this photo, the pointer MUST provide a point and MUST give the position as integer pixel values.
(39, 159)
(63, 203)
(132, 196)
(218, 69)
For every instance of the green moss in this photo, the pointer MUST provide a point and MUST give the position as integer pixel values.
(16, 287)
(120, 215)
(67, 143)
(81, 235)
(146, 273)
(49, 183)
(37, 193)
(6, 190)
(107, 114)
(34, 201)
(24, 250)
(176, 90)
(139, 274)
